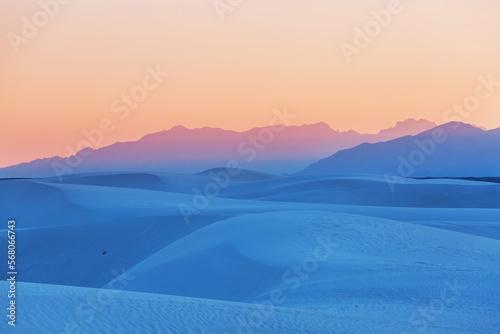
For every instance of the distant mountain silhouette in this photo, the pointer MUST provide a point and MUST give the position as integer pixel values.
(182, 150)
(453, 150)
(405, 128)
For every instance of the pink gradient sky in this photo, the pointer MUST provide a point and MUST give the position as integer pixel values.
(231, 73)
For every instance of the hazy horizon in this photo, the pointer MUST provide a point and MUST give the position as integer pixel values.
(230, 73)
(140, 136)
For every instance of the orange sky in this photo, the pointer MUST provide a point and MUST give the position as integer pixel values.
(230, 73)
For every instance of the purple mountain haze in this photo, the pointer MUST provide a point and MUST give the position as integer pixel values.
(181, 150)
(449, 150)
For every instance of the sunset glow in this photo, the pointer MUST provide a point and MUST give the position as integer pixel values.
(231, 72)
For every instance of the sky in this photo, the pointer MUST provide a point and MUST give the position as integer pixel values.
(229, 66)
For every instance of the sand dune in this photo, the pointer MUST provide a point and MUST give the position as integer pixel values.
(326, 262)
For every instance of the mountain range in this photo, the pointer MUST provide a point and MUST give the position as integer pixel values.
(450, 150)
(273, 149)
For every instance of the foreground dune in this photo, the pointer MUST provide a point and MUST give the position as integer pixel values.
(113, 253)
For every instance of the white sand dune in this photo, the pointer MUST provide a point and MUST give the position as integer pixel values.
(94, 233)
(61, 309)
(52, 203)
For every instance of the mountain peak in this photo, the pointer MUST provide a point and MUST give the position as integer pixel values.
(318, 126)
(460, 128)
(321, 125)
(410, 126)
(178, 128)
